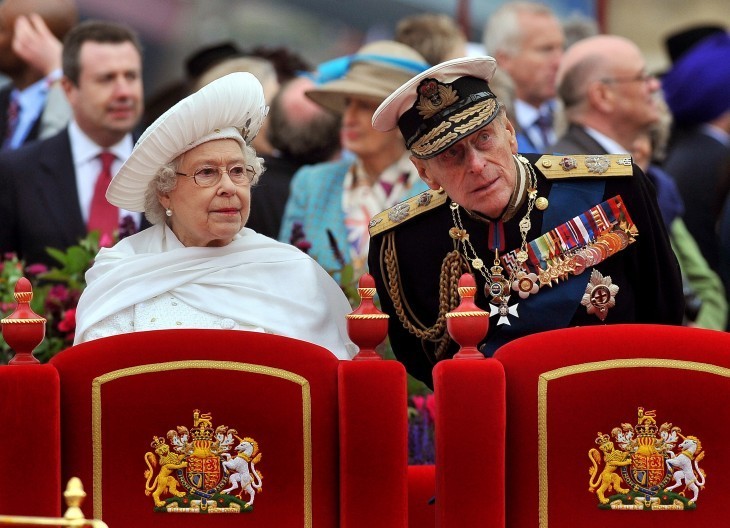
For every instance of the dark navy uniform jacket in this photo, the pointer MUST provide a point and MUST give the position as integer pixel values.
(647, 273)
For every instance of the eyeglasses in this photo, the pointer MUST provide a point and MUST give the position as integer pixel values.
(643, 77)
(208, 176)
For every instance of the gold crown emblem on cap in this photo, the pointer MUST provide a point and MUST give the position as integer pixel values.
(434, 97)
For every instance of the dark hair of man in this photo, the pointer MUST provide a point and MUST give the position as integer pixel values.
(306, 141)
(93, 31)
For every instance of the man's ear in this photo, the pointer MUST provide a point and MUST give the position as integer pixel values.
(509, 127)
(600, 96)
(424, 173)
(68, 87)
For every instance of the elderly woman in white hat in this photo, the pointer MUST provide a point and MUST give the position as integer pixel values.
(335, 201)
(191, 172)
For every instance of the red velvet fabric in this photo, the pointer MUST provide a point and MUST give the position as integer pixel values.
(268, 408)
(373, 447)
(470, 443)
(30, 454)
(592, 398)
(421, 489)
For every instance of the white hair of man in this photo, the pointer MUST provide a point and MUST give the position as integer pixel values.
(503, 32)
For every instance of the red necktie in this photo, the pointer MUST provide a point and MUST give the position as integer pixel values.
(103, 216)
(12, 120)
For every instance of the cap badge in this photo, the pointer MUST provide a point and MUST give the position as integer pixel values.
(434, 97)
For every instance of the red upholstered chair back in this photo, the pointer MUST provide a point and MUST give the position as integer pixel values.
(30, 440)
(571, 392)
(120, 397)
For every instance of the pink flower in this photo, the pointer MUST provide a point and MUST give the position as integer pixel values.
(431, 407)
(68, 324)
(418, 402)
(106, 241)
(57, 296)
(36, 269)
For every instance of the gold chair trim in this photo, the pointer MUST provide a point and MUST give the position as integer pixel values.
(201, 364)
(542, 396)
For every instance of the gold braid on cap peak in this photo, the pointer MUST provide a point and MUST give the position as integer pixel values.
(452, 267)
(475, 117)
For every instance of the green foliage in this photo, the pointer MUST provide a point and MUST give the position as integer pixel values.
(56, 293)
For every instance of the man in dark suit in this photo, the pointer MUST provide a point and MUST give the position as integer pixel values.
(301, 133)
(610, 101)
(30, 57)
(48, 187)
(608, 96)
(527, 39)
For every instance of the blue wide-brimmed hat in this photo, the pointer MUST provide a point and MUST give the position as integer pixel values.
(695, 88)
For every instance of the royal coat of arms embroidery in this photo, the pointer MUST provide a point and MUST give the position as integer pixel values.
(647, 467)
(203, 469)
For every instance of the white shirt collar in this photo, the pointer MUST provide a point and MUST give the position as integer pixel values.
(84, 149)
(608, 144)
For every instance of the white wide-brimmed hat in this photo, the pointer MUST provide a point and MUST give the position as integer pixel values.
(442, 105)
(232, 107)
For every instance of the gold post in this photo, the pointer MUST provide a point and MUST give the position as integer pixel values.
(74, 495)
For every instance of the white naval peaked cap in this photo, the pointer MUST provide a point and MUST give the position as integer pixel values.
(232, 107)
(441, 105)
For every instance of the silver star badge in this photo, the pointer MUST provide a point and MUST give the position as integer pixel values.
(600, 295)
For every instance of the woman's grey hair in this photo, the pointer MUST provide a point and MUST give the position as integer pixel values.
(165, 180)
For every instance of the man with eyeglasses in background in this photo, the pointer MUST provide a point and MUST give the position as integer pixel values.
(608, 96)
(610, 102)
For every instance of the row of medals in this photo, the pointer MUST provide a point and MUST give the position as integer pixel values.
(559, 268)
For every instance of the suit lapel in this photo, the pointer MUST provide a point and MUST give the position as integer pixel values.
(4, 101)
(57, 186)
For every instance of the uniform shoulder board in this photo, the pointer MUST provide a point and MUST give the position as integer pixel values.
(583, 166)
(402, 211)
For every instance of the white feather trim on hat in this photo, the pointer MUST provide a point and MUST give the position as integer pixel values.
(232, 107)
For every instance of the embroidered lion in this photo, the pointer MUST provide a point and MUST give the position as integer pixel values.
(164, 481)
(607, 479)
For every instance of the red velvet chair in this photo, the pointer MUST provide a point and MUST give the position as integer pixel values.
(637, 395)
(331, 434)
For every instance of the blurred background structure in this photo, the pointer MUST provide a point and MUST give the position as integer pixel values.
(322, 29)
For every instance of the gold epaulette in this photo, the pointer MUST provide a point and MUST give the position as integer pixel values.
(402, 211)
(585, 166)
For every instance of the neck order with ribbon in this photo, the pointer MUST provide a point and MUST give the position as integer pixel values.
(497, 285)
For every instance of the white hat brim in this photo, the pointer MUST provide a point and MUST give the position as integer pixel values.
(232, 107)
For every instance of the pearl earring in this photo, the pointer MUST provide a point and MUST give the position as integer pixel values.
(168, 211)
